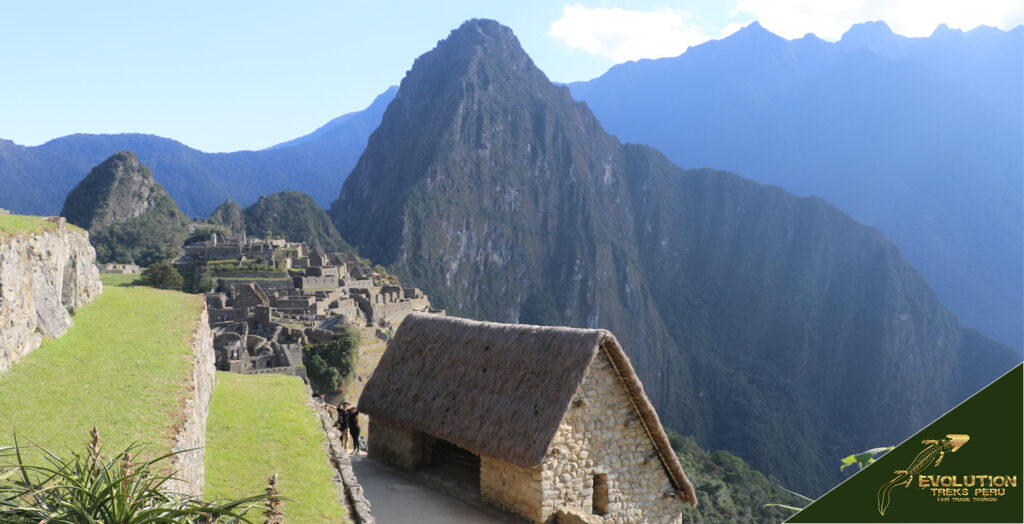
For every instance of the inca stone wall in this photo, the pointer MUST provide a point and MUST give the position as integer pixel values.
(602, 434)
(399, 447)
(44, 277)
(512, 488)
(191, 434)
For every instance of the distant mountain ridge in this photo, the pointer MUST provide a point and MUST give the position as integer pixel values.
(921, 137)
(38, 178)
(772, 326)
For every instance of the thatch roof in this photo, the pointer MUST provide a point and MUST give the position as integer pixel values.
(499, 390)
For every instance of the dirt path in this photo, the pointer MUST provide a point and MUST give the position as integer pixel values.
(399, 497)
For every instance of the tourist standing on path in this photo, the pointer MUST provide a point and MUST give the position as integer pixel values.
(353, 428)
(342, 424)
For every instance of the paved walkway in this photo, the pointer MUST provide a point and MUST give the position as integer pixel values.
(397, 497)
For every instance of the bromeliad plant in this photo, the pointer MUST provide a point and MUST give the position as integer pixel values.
(91, 490)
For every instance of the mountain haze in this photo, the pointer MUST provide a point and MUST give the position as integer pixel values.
(773, 326)
(921, 137)
(38, 178)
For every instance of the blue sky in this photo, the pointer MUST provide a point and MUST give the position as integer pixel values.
(227, 75)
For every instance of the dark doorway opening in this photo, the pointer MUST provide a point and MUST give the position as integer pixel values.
(454, 464)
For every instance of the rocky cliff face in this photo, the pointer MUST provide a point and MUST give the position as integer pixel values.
(772, 326)
(44, 277)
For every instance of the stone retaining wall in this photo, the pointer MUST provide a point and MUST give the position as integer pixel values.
(44, 277)
(191, 435)
(359, 507)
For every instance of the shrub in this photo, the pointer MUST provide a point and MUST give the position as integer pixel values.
(161, 276)
(91, 489)
(331, 364)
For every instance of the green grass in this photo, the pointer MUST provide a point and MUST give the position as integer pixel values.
(260, 425)
(122, 367)
(14, 224)
(116, 280)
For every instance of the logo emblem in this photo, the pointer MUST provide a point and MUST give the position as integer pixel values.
(930, 456)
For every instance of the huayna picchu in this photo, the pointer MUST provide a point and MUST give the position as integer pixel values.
(772, 326)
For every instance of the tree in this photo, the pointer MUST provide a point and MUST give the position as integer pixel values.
(162, 276)
(331, 365)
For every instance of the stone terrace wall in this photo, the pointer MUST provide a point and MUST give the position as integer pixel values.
(43, 278)
(604, 435)
(191, 434)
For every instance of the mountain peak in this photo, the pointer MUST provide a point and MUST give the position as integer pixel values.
(116, 190)
(753, 34)
(754, 29)
(121, 192)
(478, 38)
(868, 32)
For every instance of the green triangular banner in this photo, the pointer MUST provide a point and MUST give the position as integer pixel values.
(978, 478)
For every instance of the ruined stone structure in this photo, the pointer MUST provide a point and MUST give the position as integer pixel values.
(44, 277)
(556, 417)
(119, 269)
(261, 321)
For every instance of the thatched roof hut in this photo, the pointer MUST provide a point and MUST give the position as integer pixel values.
(500, 390)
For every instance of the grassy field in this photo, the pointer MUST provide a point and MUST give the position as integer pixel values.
(14, 224)
(260, 425)
(122, 367)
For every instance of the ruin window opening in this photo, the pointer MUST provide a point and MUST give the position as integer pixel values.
(600, 494)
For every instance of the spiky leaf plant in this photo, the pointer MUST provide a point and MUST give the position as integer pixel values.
(88, 489)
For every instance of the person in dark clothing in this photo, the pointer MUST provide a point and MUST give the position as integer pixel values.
(342, 424)
(353, 428)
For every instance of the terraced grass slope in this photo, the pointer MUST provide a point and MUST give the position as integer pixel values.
(14, 224)
(123, 367)
(260, 425)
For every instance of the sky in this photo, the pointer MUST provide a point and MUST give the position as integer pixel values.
(230, 75)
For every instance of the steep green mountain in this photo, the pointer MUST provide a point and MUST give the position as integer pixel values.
(921, 137)
(772, 326)
(129, 216)
(36, 179)
(728, 490)
(230, 216)
(297, 217)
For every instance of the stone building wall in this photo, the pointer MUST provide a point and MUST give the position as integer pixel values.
(347, 309)
(360, 283)
(602, 434)
(229, 315)
(393, 312)
(44, 277)
(399, 447)
(512, 488)
(223, 252)
(314, 282)
(192, 431)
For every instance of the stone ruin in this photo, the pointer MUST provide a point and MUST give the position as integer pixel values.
(261, 328)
